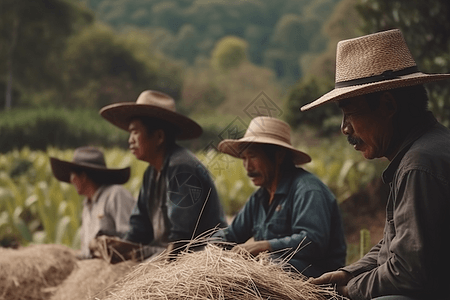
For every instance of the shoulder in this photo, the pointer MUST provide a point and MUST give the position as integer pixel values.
(429, 154)
(302, 179)
(181, 156)
(117, 191)
(307, 185)
(182, 160)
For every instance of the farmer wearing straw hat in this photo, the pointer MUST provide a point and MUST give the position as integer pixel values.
(293, 214)
(384, 104)
(178, 200)
(107, 206)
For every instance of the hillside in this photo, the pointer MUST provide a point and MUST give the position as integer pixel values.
(278, 33)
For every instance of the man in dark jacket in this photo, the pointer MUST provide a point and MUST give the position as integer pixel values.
(293, 215)
(178, 200)
(380, 92)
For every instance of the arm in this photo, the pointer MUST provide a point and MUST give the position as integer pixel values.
(119, 207)
(402, 268)
(193, 203)
(310, 225)
(241, 229)
(141, 229)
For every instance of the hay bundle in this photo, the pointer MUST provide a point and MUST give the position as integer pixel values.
(28, 272)
(91, 278)
(215, 273)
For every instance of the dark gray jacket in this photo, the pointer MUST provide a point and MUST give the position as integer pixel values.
(180, 204)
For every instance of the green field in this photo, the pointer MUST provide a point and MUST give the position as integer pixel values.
(37, 208)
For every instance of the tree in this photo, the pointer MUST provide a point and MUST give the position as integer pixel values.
(425, 26)
(32, 36)
(318, 72)
(323, 118)
(229, 53)
(103, 67)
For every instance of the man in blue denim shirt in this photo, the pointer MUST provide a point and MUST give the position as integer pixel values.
(293, 214)
(178, 200)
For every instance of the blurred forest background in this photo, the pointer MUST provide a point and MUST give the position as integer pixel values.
(62, 60)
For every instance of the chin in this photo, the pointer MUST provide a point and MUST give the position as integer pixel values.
(256, 182)
(369, 155)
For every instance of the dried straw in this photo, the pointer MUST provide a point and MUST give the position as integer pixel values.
(29, 272)
(215, 273)
(91, 279)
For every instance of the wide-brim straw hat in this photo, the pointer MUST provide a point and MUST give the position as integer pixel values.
(152, 104)
(265, 130)
(372, 63)
(91, 160)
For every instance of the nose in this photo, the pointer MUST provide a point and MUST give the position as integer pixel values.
(130, 139)
(72, 177)
(346, 127)
(246, 164)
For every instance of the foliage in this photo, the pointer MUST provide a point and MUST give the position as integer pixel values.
(189, 30)
(206, 90)
(36, 208)
(40, 26)
(75, 62)
(103, 67)
(318, 73)
(324, 118)
(425, 29)
(230, 178)
(344, 170)
(42, 128)
(228, 53)
(39, 129)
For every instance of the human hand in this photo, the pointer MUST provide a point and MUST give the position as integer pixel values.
(114, 249)
(339, 278)
(254, 247)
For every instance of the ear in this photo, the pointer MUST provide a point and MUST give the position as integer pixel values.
(160, 137)
(388, 105)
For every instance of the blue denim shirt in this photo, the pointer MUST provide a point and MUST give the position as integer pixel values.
(183, 197)
(303, 216)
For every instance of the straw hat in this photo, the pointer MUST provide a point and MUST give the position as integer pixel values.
(371, 63)
(89, 159)
(152, 104)
(265, 130)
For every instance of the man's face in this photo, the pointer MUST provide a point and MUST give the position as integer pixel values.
(368, 131)
(258, 166)
(141, 144)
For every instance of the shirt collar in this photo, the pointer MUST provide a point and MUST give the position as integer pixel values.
(283, 186)
(168, 154)
(417, 131)
(96, 195)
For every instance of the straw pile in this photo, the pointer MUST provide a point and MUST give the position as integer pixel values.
(91, 278)
(215, 273)
(28, 272)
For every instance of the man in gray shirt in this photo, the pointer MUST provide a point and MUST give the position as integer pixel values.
(108, 205)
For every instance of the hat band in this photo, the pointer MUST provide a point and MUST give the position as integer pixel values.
(386, 75)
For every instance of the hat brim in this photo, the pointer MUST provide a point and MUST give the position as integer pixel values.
(234, 148)
(363, 89)
(61, 170)
(120, 114)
